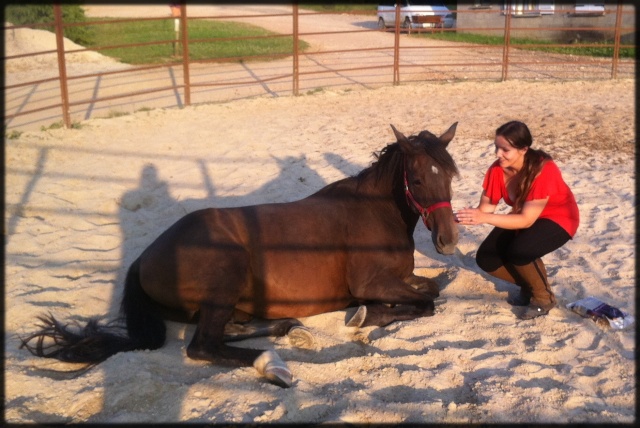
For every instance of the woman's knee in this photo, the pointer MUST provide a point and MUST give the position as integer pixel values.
(520, 257)
(487, 261)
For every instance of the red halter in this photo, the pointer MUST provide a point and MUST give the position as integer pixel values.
(424, 212)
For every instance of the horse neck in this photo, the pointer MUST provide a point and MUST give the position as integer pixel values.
(389, 186)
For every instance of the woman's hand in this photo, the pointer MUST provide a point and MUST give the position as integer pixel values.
(484, 214)
(469, 216)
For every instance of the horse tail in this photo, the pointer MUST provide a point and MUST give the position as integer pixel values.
(145, 325)
(95, 342)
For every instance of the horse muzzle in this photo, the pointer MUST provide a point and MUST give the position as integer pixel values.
(445, 232)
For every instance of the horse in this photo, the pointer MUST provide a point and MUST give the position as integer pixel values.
(350, 244)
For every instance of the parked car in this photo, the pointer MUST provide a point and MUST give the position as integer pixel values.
(414, 14)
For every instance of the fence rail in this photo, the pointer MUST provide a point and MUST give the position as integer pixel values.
(376, 60)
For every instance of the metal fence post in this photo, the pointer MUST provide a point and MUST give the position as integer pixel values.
(616, 42)
(507, 39)
(185, 54)
(62, 66)
(296, 64)
(396, 48)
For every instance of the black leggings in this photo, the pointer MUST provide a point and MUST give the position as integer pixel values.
(520, 247)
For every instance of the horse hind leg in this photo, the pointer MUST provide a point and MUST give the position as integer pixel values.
(301, 337)
(298, 335)
(208, 344)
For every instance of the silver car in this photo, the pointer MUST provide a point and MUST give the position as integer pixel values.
(415, 14)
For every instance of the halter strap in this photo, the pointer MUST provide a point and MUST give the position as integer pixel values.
(424, 212)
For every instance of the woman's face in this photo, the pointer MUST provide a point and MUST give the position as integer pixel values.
(509, 156)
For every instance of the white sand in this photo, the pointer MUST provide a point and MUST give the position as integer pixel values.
(80, 209)
(82, 204)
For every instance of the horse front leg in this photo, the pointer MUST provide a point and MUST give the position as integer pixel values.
(380, 315)
(208, 344)
(388, 299)
(424, 285)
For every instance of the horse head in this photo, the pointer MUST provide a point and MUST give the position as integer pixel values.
(428, 172)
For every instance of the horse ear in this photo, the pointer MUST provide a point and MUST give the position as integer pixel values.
(448, 136)
(404, 142)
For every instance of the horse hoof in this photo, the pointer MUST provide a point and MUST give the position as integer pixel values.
(301, 337)
(274, 369)
(280, 376)
(358, 318)
(440, 300)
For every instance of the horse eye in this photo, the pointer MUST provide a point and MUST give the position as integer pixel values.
(417, 182)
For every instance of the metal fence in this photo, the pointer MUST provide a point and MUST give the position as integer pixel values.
(368, 57)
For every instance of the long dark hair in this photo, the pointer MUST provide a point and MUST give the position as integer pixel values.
(519, 136)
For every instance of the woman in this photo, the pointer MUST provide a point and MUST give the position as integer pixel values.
(544, 217)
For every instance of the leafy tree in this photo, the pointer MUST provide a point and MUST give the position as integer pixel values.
(43, 14)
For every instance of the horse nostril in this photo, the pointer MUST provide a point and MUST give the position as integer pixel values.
(446, 247)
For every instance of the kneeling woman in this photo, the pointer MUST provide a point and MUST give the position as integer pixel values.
(544, 217)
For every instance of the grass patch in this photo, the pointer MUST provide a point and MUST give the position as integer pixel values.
(60, 125)
(115, 113)
(13, 135)
(55, 125)
(202, 43)
(353, 7)
(483, 39)
(315, 91)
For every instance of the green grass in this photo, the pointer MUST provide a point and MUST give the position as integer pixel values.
(483, 39)
(59, 125)
(354, 7)
(13, 135)
(201, 47)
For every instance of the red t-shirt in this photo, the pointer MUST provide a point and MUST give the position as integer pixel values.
(561, 207)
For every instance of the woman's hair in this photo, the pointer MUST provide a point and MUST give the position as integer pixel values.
(519, 136)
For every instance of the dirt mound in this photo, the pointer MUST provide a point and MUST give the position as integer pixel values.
(21, 41)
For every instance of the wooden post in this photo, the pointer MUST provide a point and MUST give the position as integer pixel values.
(175, 12)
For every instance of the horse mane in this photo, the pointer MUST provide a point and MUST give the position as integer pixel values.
(390, 158)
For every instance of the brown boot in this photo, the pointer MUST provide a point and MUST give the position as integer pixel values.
(542, 298)
(509, 274)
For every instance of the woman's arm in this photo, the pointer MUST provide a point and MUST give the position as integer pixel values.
(531, 210)
(485, 204)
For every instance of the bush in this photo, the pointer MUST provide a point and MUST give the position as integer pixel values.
(43, 14)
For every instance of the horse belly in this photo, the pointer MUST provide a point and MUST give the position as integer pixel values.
(296, 284)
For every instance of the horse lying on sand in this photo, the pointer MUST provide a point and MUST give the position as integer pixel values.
(351, 243)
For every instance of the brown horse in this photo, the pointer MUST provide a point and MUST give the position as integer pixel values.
(351, 243)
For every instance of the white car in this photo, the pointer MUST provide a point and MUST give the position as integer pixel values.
(415, 14)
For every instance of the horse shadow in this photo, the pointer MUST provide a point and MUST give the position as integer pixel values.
(349, 169)
(148, 210)
(457, 262)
